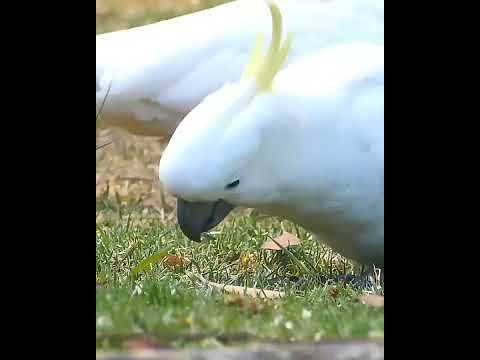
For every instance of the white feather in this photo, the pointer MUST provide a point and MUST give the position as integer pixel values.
(311, 151)
(159, 72)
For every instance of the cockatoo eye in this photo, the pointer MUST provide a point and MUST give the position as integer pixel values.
(232, 185)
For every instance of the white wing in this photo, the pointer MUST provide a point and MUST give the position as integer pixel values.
(159, 72)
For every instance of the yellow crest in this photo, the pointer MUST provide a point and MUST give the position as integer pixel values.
(265, 67)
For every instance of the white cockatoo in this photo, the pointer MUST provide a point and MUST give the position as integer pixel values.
(159, 72)
(305, 143)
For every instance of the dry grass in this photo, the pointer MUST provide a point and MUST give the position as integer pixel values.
(120, 14)
(127, 169)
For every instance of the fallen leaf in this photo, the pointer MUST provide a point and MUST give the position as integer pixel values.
(249, 306)
(253, 292)
(283, 241)
(372, 300)
(334, 292)
(240, 290)
(172, 260)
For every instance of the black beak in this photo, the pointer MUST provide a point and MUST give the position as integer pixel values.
(196, 218)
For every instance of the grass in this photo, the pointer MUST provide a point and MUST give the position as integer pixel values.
(148, 274)
(166, 303)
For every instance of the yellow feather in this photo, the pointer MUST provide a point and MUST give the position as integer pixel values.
(264, 68)
(256, 60)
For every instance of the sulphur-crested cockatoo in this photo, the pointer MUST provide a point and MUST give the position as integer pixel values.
(159, 72)
(305, 143)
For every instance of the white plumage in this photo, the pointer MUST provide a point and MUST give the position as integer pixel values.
(310, 150)
(159, 72)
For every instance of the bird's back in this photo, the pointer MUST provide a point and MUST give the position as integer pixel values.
(159, 72)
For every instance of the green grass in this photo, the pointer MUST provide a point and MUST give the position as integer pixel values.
(166, 302)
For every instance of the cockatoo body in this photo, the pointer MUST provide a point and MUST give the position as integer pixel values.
(305, 143)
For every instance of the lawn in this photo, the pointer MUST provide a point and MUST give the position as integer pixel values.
(152, 283)
(157, 288)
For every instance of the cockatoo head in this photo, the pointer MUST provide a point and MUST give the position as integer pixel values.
(209, 160)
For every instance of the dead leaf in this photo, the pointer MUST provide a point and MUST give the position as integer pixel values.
(240, 290)
(372, 300)
(285, 240)
(253, 292)
(248, 306)
(334, 292)
(172, 260)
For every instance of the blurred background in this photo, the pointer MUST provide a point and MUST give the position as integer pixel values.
(121, 14)
(126, 175)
